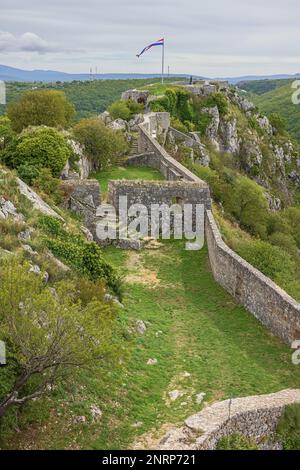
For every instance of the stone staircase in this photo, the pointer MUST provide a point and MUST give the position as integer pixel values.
(134, 147)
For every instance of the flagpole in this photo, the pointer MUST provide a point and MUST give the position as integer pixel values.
(163, 63)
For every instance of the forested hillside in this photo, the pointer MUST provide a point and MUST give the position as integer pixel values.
(275, 96)
(89, 97)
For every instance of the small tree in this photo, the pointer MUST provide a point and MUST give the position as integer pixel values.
(102, 145)
(48, 333)
(41, 107)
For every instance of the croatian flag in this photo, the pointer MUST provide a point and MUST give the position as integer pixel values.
(160, 42)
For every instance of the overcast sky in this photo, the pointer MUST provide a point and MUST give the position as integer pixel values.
(204, 37)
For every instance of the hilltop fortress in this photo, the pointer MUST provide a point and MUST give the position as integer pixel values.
(270, 304)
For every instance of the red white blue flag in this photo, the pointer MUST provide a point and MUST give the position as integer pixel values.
(160, 42)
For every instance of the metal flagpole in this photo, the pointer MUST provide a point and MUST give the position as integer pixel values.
(163, 63)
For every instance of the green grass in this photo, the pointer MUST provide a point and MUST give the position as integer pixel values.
(127, 173)
(193, 326)
(157, 89)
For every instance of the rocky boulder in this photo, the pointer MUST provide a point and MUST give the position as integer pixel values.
(213, 127)
(118, 125)
(7, 209)
(229, 136)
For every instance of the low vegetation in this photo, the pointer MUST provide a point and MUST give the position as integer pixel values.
(125, 109)
(195, 331)
(236, 442)
(288, 429)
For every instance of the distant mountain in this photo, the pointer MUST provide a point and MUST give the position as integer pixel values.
(248, 78)
(18, 75)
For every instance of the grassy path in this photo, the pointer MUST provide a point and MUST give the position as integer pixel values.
(202, 341)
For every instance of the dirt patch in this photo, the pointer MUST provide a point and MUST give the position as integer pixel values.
(138, 273)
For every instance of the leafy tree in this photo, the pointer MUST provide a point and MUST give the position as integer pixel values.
(38, 148)
(47, 333)
(41, 107)
(102, 145)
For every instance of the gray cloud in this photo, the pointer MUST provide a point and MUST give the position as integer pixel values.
(208, 38)
(27, 42)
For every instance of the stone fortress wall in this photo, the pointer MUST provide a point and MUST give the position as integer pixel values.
(254, 417)
(270, 304)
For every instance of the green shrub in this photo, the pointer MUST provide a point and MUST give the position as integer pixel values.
(85, 257)
(125, 109)
(203, 122)
(236, 441)
(286, 242)
(218, 99)
(277, 223)
(134, 107)
(46, 183)
(51, 225)
(248, 204)
(292, 217)
(271, 260)
(28, 173)
(177, 124)
(41, 147)
(119, 110)
(288, 428)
